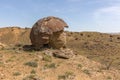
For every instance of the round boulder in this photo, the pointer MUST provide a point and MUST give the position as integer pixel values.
(48, 31)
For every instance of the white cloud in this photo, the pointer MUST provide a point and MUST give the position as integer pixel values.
(115, 10)
(108, 18)
(74, 0)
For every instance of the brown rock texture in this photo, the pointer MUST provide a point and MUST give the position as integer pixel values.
(50, 31)
(58, 40)
(2, 46)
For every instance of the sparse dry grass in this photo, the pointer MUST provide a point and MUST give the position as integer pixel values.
(31, 64)
(99, 47)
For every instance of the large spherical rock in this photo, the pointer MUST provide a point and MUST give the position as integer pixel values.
(48, 30)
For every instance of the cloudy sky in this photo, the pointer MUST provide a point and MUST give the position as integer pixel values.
(81, 15)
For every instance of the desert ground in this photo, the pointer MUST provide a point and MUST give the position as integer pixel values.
(97, 57)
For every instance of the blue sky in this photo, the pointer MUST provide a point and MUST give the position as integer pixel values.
(81, 15)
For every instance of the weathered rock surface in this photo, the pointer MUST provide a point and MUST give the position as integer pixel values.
(58, 40)
(64, 53)
(48, 31)
(3, 46)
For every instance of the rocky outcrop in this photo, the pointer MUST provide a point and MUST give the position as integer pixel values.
(3, 46)
(48, 31)
(64, 53)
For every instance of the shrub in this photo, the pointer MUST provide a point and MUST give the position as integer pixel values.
(47, 58)
(86, 71)
(52, 65)
(16, 73)
(29, 77)
(111, 35)
(66, 76)
(31, 64)
(88, 35)
(109, 78)
(61, 77)
(79, 65)
(33, 71)
(81, 34)
(69, 74)
(32, 77)
(118, 37)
